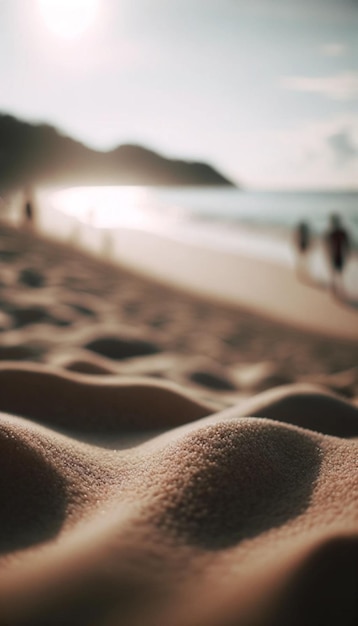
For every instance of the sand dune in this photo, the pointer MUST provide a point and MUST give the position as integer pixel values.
(165, 461)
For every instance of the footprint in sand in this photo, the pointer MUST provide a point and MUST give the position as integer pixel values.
(29, 315)
(31, 278)
(37, 315)
(211, 381)
(119, 348)
(206, 373)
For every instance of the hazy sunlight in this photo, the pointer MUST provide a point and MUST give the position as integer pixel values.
(105, 207)
(68, 18)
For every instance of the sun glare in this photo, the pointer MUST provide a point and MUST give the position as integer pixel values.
(68, 18)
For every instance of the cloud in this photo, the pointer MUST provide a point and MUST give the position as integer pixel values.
(318, 155)
(343, 146)
(334, 49)
(317, 10)
(340, 87)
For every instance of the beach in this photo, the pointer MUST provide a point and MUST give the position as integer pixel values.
(171, 456)
(257, 268)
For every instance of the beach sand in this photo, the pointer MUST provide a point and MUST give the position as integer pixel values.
(168, 460)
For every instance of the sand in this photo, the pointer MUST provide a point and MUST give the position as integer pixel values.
(167, 460)
(273, 288)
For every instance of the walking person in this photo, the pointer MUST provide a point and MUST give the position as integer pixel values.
(29, 212)
(302, 237)
(338, 248)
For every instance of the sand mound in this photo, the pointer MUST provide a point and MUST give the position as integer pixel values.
(219, 502)
(121, 347)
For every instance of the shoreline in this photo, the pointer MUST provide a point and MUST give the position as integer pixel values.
(267, 287)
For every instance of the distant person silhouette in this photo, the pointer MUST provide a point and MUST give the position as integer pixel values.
(338, 247)
(29, 213)
(302, 243)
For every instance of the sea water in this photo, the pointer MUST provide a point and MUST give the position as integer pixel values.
(263, 222)
(251, 222)
(225, 209)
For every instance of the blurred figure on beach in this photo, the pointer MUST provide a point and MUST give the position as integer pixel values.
(338, 249)
(29, 212)
(302, 238)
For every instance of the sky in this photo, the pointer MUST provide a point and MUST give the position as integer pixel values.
(264, 90)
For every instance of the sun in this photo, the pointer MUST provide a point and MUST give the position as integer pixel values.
(68, 18)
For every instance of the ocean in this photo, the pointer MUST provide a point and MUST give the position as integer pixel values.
(260, 209)
(228, 206)
(159, 207)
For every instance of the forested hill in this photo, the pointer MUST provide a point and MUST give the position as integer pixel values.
(39, 154)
